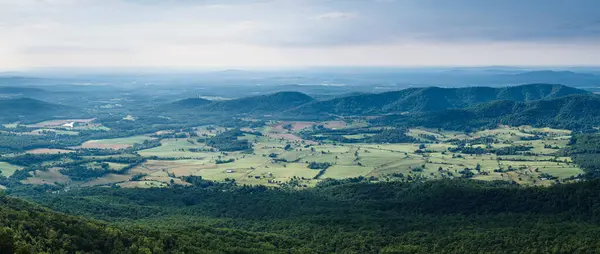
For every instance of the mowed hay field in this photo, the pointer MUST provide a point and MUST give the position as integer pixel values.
(48, 151)
(170, 148)
(116, 143)
(52, 176)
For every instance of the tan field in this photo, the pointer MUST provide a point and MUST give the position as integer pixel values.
(51, 177)
(49, 151)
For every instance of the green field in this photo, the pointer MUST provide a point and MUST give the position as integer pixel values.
(11, 125)
(115, 143)
(8, 169)
(279, 157)
(176, 148)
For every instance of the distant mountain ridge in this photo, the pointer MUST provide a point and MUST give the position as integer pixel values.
(412, 100)
(547, 76)
(432, 99)
(271, 103)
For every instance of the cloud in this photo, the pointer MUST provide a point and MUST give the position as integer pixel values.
(336, 16)
(113, 27)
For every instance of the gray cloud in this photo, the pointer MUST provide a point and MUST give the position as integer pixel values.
(464, 20)
(314, 23)
(218, 30)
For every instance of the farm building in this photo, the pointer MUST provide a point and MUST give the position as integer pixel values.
(69, 125)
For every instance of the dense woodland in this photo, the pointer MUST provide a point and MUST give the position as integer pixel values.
(585, 151)
(228, 141)
(574, 112)
(431, 99)
(450, 216)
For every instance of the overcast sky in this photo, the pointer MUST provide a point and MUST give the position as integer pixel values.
(272, 33)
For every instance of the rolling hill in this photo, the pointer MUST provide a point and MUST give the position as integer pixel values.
(408, 100)
(263, 104)
(579, 111)
(26, 109)
(337, 216)
(190, 103)
(30, 228)
(431, 99)
(13, 90)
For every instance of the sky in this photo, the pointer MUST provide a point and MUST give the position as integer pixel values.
(294, 33)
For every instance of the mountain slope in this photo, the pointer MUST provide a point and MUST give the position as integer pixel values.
(26, 109)
(29, 228)
(572, 112)
(349, 216)
(189, 103)
(271, 103)
(432, 99)
(13, 90)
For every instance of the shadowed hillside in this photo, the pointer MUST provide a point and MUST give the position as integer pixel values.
(407, 100)
(267, 104)
(350, 216)
(570, 112)
(432, 99)
(29, 110)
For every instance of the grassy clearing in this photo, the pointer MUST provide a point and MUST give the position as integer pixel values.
(116, 143)
(107, 180)
(8, 169)
(341, 171)
(54, 131)
(142, 184)
(11, 125)
(117, 166)
(48, 151)
(179, 148)
(60, 122)
(52, 176)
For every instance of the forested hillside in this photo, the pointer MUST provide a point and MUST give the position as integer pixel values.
(29, 228)
(432, 99)
(569, 112)
(407, 100)
(450, 216)
(189, 103)
(31, 110)
(268, 104)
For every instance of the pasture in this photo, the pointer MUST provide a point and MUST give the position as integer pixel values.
(8, 169)
(116, 143)
(281, 157)
(60, 122)
(48, 151)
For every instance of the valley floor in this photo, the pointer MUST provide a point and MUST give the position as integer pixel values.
(281, 154)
